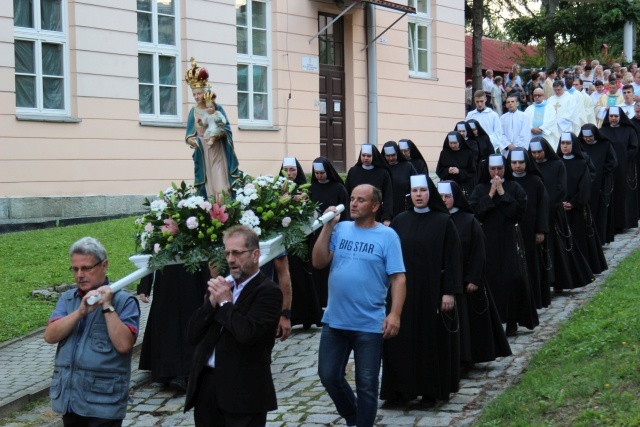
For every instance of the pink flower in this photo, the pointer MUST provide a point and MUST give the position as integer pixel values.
(206, 206)
(249, 185)
(171, 226)
(219, 213)
(192, 222)
(156, 247)
(286, 221)
(148, 228)
(181, 203)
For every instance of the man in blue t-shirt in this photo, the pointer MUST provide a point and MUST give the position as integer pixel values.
(365, 258)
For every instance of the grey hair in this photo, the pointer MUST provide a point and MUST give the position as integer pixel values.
(89, 246)
(251, 239)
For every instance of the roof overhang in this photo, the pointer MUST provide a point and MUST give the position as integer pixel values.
(383, 3)
(391, 5)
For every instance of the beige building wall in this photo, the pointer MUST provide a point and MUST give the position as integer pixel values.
(422, 110)
(108, 151)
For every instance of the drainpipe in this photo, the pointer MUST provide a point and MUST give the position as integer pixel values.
(372, 77)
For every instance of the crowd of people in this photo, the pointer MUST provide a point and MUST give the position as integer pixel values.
(420, 279)
(524, 204)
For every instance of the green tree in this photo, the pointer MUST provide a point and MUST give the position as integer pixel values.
(576, 29)
(488, 13)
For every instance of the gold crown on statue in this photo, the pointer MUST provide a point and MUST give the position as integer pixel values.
(209, 95)
(196, 76)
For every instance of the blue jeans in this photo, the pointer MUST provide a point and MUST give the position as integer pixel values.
(335, 347)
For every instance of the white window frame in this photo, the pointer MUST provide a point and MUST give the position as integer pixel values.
(39, 36)
(419, 19)
(251, 60)
(156, 50)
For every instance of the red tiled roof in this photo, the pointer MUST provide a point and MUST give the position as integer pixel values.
(497, 55)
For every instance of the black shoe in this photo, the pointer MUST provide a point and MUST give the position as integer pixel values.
(427, 403)
(398, 400)
(179, 383)
(466, 366)
(512, 330)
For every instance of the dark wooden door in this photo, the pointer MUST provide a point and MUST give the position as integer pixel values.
(332, 99)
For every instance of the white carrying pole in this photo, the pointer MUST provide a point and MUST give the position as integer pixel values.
(326, 218)
(276, 249)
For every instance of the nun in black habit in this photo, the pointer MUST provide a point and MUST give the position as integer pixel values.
(635, 120)
(605, 161)
(424, 358)
(465, 130)
(576, 203)
(411, 153)
(536, 226)
(569, 269)
(305, 306)
(620, 131)
(177, 294)
(485, 147)
(457, 162)
(401, 171)
(327, 189)
(372, 169)
(482, 338)
(500, 204)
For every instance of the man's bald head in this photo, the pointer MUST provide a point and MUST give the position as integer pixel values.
(538, 95)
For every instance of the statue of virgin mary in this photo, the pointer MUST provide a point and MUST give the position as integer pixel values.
(215, 163)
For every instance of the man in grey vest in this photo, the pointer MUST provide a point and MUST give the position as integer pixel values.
(92, 368)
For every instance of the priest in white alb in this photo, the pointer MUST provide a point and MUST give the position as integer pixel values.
(628, 106)
(582, 114)
(488, 119)
(589, 108)
(543, 118)
(564, 104)
(516, 126)
(610, 99)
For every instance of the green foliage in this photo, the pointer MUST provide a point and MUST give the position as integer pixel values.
(589, 373)
(40, 259)
(182, 224)
(579, 28)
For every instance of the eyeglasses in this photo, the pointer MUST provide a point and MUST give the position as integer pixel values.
(84, 269)
(235, 253)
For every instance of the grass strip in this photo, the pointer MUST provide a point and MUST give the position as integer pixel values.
(40, 259)
(589, 373)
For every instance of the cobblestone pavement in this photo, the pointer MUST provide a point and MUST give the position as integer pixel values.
(301, 398)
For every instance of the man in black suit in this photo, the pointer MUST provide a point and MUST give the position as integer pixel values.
(230, 382)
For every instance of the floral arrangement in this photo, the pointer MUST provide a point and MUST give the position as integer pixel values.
(183, 225)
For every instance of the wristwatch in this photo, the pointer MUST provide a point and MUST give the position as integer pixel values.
(286, 314)
(109, 309)
(223, 303)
